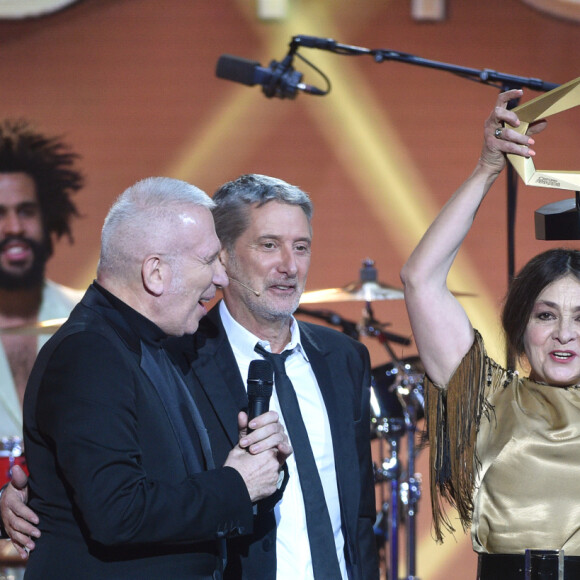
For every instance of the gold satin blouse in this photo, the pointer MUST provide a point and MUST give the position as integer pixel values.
(517, 460)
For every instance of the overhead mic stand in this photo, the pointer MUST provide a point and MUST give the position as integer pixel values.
(485, 76)
(511, 199)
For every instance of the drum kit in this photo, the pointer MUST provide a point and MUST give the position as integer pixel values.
(397, 405)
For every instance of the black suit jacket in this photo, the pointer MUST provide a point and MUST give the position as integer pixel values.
(114, 492)
(342, 369)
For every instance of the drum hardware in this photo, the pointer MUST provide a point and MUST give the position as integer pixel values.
(405, 388)
(392, 430)
(397, 404)
(381, 527)
(368, 326)
(411, 492)
(348, 327)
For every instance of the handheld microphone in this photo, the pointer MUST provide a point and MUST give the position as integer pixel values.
(260, 385)
(244, 286)
(280, 80)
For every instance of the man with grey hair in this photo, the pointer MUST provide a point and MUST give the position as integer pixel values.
(123, 475)
(323, 527)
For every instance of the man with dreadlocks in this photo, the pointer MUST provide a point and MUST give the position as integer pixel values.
(37, 179)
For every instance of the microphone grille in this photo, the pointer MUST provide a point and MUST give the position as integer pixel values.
(260, 370)
(235, 68)
(260, 378)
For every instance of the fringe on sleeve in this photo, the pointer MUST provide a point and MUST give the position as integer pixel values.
(453, 418)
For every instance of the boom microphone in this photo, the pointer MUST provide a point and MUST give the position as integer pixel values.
(260, 384)
(280, 80)
(244, 286)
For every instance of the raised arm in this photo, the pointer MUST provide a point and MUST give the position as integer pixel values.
(442, 331)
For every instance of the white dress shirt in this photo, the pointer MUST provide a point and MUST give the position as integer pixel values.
(292, 547)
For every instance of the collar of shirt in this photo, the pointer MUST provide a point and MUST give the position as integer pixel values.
(144, 328)
(243, 341)
(179, 348)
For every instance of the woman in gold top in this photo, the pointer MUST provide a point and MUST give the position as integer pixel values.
(505, 450)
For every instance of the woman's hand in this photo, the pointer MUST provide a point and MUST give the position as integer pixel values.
(499, 138)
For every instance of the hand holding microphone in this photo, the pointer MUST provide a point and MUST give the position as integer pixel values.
(269, 433)
(260, 386)
(261, 451)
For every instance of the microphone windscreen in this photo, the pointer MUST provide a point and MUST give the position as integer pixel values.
(237, 69)
(260, 379)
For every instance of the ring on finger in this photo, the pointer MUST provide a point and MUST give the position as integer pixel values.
(498, 132)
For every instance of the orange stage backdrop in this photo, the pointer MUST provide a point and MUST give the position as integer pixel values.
(131, 84)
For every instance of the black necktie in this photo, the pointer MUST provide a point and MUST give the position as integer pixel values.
(320, 534)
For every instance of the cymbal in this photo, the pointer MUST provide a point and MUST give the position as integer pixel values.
(41, 327)
(362, 291)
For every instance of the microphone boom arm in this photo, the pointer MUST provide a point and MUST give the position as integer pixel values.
(486, 76)
(282, 81)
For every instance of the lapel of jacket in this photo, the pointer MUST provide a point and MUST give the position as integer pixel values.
(329, 368)
(181, 409)
(218, 374)
(113, 321)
